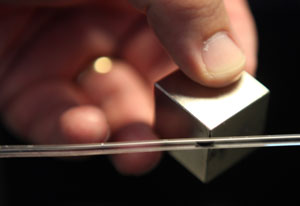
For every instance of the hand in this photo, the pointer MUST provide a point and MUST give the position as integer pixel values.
(48, 94)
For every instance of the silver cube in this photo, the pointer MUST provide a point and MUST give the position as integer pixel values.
(187, 109)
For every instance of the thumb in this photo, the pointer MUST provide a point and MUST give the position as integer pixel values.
(198, 36)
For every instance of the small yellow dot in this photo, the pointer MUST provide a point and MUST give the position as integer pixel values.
(102, 65)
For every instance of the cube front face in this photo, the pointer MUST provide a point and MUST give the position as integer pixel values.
(187, 109)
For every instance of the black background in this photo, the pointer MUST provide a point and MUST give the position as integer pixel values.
(268, 176)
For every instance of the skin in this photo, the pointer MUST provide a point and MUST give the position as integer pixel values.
(49, 95)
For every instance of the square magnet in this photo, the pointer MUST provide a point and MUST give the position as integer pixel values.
(187, 109)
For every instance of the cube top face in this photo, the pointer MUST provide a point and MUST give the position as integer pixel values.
(211, 106)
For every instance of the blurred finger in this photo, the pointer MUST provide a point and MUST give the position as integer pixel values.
(57, 54)
(120, 91)
(127, 102)
(146, 54)
(56, 112)
(135, 163)
(45, 68)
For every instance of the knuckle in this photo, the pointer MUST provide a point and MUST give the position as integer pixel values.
(209, 8)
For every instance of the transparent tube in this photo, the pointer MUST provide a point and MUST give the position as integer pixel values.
(13, 151)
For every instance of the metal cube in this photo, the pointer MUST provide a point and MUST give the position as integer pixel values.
(187, 109)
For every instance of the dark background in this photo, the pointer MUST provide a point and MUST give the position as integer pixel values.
(268, 176)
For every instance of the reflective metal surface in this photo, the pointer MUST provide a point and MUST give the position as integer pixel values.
(187, 109)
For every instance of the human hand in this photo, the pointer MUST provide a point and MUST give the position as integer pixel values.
(47, 95)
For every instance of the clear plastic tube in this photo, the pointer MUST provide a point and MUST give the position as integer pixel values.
(14, 151)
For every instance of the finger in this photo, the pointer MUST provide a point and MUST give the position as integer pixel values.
(56, 112)
(127, 102)
(135, 163)
(244, 27)
(120, 92)
(57, 55)
(145, 53)
(63, 50)
(198, 36)
(84, 124)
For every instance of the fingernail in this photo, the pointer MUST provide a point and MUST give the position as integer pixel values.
(222, 57)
